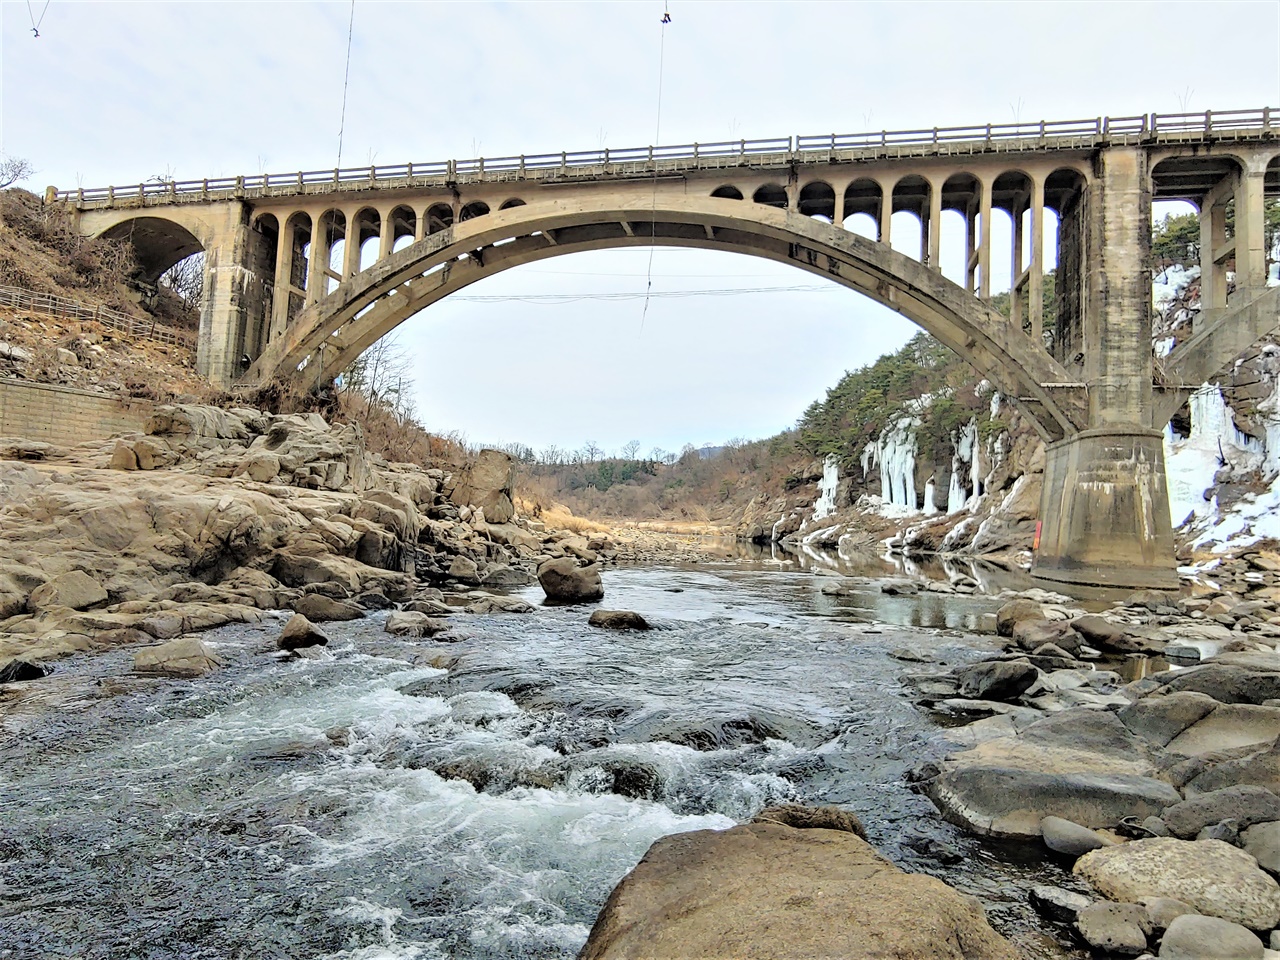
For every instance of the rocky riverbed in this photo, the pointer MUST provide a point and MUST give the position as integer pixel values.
(1133, 742)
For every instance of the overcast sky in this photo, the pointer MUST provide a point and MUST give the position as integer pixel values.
(119, 92)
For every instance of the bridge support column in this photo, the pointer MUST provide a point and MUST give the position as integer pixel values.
(1105, 512)
(1104, 509)
(935, 226)
(234, 293)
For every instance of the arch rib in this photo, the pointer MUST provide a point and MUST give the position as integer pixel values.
(328, 335)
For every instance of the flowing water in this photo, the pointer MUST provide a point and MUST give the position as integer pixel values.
(387, 799)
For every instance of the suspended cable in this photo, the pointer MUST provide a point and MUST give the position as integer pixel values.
(657, 138)
(346, 77)
(561, 298)
(35, 24)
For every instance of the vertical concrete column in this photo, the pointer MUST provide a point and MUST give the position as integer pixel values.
(1035, 281)
(351, 249)
(1117, 324)
(284, 279)
(970, 246)
(1213, 236)
(1015, 267)
(1251, 254)
(317, 279)
(935, 226)
(984, 244)
(837, 211)
(886, 214)
(1104, 509)
(386, 235)
(420, 224)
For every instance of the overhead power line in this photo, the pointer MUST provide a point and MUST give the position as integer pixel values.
(560, 298)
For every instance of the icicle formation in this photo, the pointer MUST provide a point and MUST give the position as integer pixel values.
(896, 452)
(966, 447)
(826, 504)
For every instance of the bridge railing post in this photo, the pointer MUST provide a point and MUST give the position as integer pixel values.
(522, 166)
(564, 161)
(1208, 122)
(1266, 120)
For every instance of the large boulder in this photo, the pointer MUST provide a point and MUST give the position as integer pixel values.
(1002, 680)
(1082, 765)
(1114, 928)
(1226, 683)
(486, 484)
(183, 657)
(767, 890)
(1244, 804)
(1192, 937)
(1211, 876)
(299, 633)
(405, 623)
(318, 609)
(564, 581)
(617, 620)
(74, 589)
(1015, 612)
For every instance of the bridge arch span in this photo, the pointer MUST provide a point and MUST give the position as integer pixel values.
(323, 339)
(158, 242)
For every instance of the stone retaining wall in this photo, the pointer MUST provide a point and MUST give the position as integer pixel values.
(65, 415)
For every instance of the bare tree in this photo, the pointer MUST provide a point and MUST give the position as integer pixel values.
(14, 169)
(591, 451)
(630, 450)
(186, 279)
(380, 371)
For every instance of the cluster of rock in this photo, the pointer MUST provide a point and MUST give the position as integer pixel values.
(1164, 790)
(213, 516)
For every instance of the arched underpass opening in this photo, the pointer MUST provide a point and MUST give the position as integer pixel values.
(157, 244)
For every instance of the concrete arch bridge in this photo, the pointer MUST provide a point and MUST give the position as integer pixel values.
(291, 291)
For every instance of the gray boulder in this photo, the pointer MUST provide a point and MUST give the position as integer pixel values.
(1160, 719)
(1192, 937)
(1070, 839)
(1118, 928)
(318, 609)
(1262, 842)
(618, 620)
(300, 632)
(1058, 904)
(563, 581)
(1162, 911)
(1227, 683)
(405, 623)
(1016, 611)
(996, 680)
(184, 657)
(1245, 804)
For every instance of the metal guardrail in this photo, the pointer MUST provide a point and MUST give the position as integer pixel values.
(54, 306)
(1043, 134)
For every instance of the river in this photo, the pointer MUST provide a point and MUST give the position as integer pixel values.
(387, 799)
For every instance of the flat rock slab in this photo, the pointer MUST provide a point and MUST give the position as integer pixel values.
(1212, 877)
(1228, 727)
(1244, 804)
(1006, 802)
(766, 891)
(183, 657)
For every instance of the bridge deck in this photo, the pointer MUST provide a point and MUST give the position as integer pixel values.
(681, 159)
